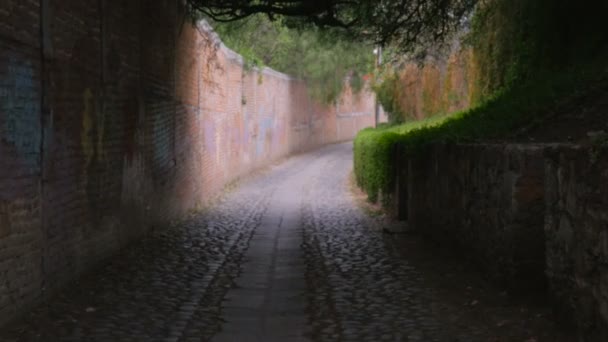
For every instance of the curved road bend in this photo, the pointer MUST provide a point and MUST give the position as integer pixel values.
(288, 256)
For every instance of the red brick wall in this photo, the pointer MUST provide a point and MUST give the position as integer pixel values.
(118, 116)
(441, 85)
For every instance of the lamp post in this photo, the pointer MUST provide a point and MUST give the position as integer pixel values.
(378, 53)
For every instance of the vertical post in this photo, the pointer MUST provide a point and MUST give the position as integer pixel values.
(377, 104)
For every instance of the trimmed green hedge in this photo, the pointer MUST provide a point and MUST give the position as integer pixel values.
(372, 150)
(373, 154)
(533, 59)
(498, 118)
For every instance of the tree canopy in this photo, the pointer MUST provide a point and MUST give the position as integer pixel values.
(401, 23)
(324, 58)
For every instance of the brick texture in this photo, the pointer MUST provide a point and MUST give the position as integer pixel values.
(117, 117)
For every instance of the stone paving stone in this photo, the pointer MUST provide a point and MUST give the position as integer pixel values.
(288, 256)
(250, 299)
(275, 244)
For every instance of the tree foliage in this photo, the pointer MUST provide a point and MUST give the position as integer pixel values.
(513, 40)
(401, 23)
(387, 93)
(324, 58)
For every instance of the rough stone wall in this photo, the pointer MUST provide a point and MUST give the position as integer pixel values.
(486, 200)
(117, 117)
(576, 228)
(530, 215)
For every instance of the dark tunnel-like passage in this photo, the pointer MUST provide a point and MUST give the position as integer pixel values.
(287, 256)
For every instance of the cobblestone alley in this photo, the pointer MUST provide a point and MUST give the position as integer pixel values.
(288, 255)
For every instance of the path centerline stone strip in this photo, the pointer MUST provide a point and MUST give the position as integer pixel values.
(268, 301)
(199, 287)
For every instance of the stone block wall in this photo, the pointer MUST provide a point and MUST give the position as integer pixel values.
(532, 216)
(486, 200)
(576, 229)
(117, 117)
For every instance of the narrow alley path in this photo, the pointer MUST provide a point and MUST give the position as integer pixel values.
(288, 256)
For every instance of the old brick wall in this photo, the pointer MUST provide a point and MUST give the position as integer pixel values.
(117, 117)
(251, 117)
(442, 84)
(21, 242)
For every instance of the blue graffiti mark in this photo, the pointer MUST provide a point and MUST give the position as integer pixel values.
(162, 142)
(277, 134)
(209, 136)
(235, 136)
(20, 110)
(265, 127)
(246, 129)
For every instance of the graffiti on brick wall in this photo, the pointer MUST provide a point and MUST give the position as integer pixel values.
(130, 113)
(95, 161)
(209, 137)
(159, 134)
(279, 138)
(119, 159)
(20, 110)
(237, 133)
(246, 130)
(91, 136)
(264, 136)
(162, 142)
(5, 226)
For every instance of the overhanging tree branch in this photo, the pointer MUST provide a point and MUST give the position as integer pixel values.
(403, 23)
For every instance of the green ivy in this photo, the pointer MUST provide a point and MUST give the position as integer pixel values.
(388, 92)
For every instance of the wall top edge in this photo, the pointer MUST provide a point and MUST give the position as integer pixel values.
(205, 28)
(519, 145)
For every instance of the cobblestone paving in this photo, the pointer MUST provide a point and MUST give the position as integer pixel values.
(365, 295)
(288, 256)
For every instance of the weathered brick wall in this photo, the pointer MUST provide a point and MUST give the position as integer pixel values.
(443, 83)
(119, 116)
(21, 242)
(440, 85)
(251, 117)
